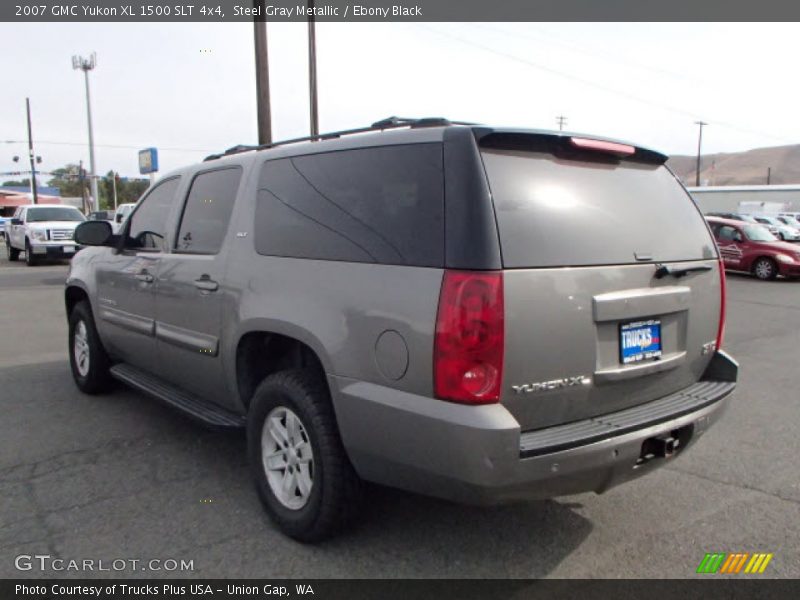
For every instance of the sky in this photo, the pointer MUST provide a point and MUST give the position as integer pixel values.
(189, 89)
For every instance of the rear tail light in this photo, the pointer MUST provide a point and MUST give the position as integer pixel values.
(469, 340)
(722, 301)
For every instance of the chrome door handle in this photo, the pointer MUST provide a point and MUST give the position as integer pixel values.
(145, 276)
(206, 284)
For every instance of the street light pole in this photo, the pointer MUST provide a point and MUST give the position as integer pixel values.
(699, 146)
(86, 65)
(34, 191)
(262, 77)
(312, 70)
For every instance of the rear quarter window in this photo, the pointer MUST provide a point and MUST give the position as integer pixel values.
(556, 212)
(380, 205)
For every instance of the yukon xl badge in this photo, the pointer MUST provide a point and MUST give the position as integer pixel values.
(553, 384)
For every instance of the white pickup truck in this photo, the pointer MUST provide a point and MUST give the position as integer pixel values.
(42, 231)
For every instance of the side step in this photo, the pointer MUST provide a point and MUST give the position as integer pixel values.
(189, 404)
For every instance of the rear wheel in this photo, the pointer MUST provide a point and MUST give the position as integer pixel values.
(301, 470)
(13, 253)
(765, 269)
(29, 258)
(87, 357)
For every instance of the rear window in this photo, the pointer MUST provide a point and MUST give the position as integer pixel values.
(555, 212)
(381, 205)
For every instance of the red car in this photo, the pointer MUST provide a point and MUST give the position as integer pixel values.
(753, 249)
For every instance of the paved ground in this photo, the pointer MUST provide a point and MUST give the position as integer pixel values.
(121, 476)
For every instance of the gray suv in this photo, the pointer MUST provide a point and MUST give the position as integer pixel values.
(483, 315)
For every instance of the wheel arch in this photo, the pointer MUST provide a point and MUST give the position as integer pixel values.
(73, 294)
(260, 352)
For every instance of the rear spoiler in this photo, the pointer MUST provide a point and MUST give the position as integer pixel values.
(566, 145)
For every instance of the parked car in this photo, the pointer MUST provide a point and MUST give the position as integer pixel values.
(753, 249)
(347, 303)
(42, 231)
(792, 219)
(742, 217)
(785, 232)
(122, 213)
(101, 215)
(788, 220)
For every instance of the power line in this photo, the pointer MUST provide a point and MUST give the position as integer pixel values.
(603, 87)
(116, 146)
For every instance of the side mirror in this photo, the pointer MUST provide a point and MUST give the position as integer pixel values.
(16, 221)
(118, 218)
(93, 233)
(737, 237)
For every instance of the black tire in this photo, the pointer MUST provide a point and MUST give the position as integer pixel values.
(335, 491)
(765, 269)
(13, 253)
(96, 379)
(29, 259)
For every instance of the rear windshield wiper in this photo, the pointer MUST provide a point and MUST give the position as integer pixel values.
(664, 270)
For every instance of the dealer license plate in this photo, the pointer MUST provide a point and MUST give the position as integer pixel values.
(640, 341)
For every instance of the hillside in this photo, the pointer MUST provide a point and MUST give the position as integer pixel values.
(742, 168)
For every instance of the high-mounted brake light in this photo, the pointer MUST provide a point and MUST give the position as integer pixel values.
(602, 146)
(722, 300)
(469, 340)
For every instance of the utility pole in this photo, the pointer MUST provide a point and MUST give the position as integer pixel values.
(561, 120)
(312, 70)
(114, 184)
(769, 174)
(262, 77)
(699, 147)
(86, 65)
(34, 191)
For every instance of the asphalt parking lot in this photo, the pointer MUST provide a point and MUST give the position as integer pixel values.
(121, 476)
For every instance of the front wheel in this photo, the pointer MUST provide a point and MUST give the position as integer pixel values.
(302, 473)
(765, 269)
(30, 260)
(87, 357)
(13, 253)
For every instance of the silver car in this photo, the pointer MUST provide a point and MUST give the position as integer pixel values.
(479, 314)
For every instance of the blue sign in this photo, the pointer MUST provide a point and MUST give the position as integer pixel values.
(148, 161)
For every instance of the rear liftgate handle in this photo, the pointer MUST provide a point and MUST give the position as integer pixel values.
(206, 284)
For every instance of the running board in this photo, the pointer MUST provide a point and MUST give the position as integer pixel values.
(189, 404)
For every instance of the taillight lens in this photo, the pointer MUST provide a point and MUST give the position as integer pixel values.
(722, 301)
(468, 347)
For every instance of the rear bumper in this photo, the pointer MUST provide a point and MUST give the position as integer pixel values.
(478, 455)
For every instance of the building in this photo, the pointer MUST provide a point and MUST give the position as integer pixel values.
(730, 198)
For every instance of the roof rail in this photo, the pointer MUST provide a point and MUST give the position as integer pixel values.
(387, 123)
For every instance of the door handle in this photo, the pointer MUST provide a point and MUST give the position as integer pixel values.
(206, 284)
(145, 276)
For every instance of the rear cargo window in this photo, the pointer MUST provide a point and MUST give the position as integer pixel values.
(554, 212)
(380, 205)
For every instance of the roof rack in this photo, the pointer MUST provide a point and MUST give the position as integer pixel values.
(387, 123)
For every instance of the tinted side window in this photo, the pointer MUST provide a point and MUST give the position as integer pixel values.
(382, 205)
(207, 211)
(148, 225)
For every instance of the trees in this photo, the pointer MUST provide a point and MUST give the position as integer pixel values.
(74, 182)
(69, 180)
(128, 190)
(22, 183)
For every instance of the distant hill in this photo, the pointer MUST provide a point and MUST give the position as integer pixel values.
(742, 168)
